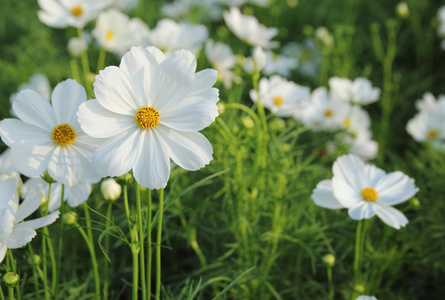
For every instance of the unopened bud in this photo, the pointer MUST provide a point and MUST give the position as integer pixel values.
(47, 178)
(329, 260)
(70, 218)
(110, 189)
(11, 279)
(221, 108)
(77, 46)
(248, 122)
(125, 179)
(415, 203)
(360, 288)
(402, 10)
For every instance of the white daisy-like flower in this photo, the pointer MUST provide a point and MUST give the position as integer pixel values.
(323, 112)
(75, 195)
(64, 13)
(222, 59)
(427, 126)
(13, 232)
(151, 108)
(48, 136)
(430, 104)
(365, 191)
(283, 98)
(308, 56)
(356, 119)
(359, 91)
(257, 62)
(76, 46)
(280, 64)
(248, 29)
(170, 36)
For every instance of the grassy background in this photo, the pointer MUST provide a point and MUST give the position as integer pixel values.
(241, 219)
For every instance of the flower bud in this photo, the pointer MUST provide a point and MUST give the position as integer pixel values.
(70, 218)
(11, 279)
(125, 179)
(360, 288)
(415, 203)
(248, 122)
(329, 260)
(35, 259)
(110, 189)
(47, 178)
(402, 10)
(77, 46)
(221, 108)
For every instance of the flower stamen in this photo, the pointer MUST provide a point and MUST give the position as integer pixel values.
(278, 100)
(110, 35)
(369, 194)
(147, 117)
(63, 134)
(432, 133)
(328, 112)
(77, 11)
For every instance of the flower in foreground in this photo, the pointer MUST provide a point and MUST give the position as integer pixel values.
(365, 191)
(48, 136)
(14, 233)
(150, 109)
(76, 13)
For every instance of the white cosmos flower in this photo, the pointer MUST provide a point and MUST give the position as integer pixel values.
(280, 64)
(365, 191)
(222, 59)
(170, 36)
(257, 62)
(151, 108)
(283, 98)
(13, 232)
(48, 136)
(64, 13)
(308, 56)
(75, 195)
(248, 29)
(359, 91)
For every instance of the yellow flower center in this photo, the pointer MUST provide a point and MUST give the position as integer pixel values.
(110, 35)
(432, 133)
(347, 122)
(147, 117)
(278, 100)
(369, 194)
(63, 135)
(328, 112)
(77, 11)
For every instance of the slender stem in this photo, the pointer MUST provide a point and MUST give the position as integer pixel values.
(127, 207)
(107, 250)
(45, 237)
(149, 246)
(101, 59)
(358, 251)
(75, 69)
(2, 296)
(10, 268)
(158, 245)
(85, 65)
(134, 251)
(34, 270)
(92, 252)
(141, 240)
(59, 254)
(331, 284)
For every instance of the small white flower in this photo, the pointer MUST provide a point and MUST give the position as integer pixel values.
(280, 64)
(48, 136)
(248, 29)
(14, 233)
(359, 91)
(150, 109)
(255, 63)
(170, 36)
(283, 98)
(365, 191)
(308, 56)
(64, 13)
(77, 46)
(222, 59)
(110, 189)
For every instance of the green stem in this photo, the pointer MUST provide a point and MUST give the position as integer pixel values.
(85, 65)
(45, 237)
(331, 284)
(158, 245)
(358, 251)
(107, 250)
(92, 252)
(59, 254)
(10, 268)
(101, 59)
(149, 246)
(141, 240)
(34, 271)
(134, 252)
(75, 69)
(2, 296)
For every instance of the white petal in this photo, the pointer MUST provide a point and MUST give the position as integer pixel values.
(324, 196)
(189, 150)
(362, 210)
(115, 91)
(99, 122)
(351, 169)
(15, 131)
(79, 193)
(395, 188)
(19, 237)
(64, 166)
(7, 219)
(39, 222)
(65, 99)
(374, 174)
(188, 57)
(204, 79)
(31, 203)
(172, 82)
(118, 154)
(152, 169)
(34, 109)
(391, 216)
(3, 249)
(7, 192)
(344, 193)
(32, 160)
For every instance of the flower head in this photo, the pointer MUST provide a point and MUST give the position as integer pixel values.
(150, 109)
(365, 191)
(222, 59)
(48, 136)
(359, 91)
